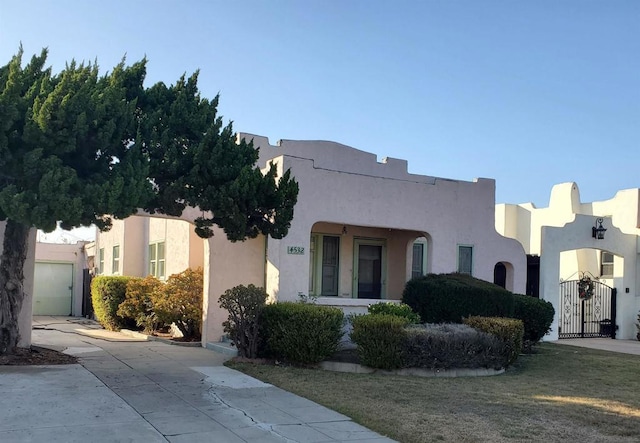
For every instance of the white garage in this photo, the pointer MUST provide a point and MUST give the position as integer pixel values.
(53, 289)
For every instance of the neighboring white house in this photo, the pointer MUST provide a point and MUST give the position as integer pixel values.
(361, 230)
(562, 235)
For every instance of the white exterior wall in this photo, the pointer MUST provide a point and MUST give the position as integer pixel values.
(561, 235)
(24, 319)
(70, 254)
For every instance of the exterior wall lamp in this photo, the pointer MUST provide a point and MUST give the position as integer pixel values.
(598, 231)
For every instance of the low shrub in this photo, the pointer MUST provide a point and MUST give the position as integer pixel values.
(107, 292)
(508, 330)
(448, 298)
(380, 339)
(138, 303)
(301, 332)
(397, 309)
(245, 305)
(180, 302)
(537, 316)
(445, 346)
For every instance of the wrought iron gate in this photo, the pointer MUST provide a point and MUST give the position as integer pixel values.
(582, 317)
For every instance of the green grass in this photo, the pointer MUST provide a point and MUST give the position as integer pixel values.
(561, 393)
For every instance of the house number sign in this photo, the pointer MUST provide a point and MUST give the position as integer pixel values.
(295, 250)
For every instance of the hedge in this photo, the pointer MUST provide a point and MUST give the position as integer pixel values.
(301, 332)
(398, 309)
(448, 298)
(107, 292)
(380, 339)
(508, 330)
(537, 316)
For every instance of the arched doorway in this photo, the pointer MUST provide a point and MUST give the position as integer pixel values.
(500, 274)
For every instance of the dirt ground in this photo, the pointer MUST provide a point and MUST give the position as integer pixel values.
(36, 355)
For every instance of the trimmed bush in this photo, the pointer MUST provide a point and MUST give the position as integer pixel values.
(107, 292)
(446, 346)
(245, 305)
(398, 309)
(509, 330)
(138, 303)
(180, 302)
(380, 339)
(301, 332)
(537, 316)
(448, 298)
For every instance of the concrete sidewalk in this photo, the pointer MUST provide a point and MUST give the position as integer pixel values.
(603, 344)
(128, 390)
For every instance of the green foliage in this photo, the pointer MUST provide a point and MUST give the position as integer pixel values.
(380, 339)
(245, 305)
(107, 292)
(180, 301)
(302, 332)
(448, 298)
(508, 330)
(138, 302)
(536, 315)
(446, 346)
(398, 309)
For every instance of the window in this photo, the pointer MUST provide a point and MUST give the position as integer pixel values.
(115, 261)
(324, 265)
(606, 264)
(156, 260)
(101, 261)
(419, 261)
(465, 260)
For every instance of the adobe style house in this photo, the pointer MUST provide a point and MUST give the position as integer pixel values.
(361, 230)
(570, 240)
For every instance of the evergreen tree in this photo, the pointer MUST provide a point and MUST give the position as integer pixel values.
(79, 148)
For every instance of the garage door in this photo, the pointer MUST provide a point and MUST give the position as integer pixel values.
(53, 288)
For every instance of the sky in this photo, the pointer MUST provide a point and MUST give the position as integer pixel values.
(529, 93)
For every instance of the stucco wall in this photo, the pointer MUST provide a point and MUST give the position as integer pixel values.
(561, 235)
(344, 186)
(24, 319)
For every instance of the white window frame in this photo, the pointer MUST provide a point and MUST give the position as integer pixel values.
(609, 264)
(101, 261)
(458, 264)
(115, 259)
(157, 263)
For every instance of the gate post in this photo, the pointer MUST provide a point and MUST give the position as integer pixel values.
(614, 296)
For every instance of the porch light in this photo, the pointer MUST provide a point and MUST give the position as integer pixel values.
(598, 231)
(344, 229)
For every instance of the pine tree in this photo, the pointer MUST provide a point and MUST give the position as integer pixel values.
(79, 148)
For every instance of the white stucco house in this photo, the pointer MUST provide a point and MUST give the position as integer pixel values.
(361, 229)
(572, 239)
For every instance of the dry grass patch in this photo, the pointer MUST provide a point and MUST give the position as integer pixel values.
(562, 393)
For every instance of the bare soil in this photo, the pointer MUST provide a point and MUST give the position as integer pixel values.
(36, 355)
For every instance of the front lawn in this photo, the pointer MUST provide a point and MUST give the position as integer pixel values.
(562, 393)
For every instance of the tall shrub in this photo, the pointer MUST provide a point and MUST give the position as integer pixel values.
(245, 305)
(138, 302)
(180, 301)
(448, 298)
(536, 315)
(107, 292)
(302, 332)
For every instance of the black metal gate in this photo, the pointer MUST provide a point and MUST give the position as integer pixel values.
(582, 317)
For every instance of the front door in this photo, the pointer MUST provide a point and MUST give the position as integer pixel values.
(369, 269)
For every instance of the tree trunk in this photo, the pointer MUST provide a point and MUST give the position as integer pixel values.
(14, 254)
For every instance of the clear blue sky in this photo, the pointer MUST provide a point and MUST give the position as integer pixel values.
(530, 93)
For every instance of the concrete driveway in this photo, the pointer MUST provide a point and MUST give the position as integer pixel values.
(129, 390)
